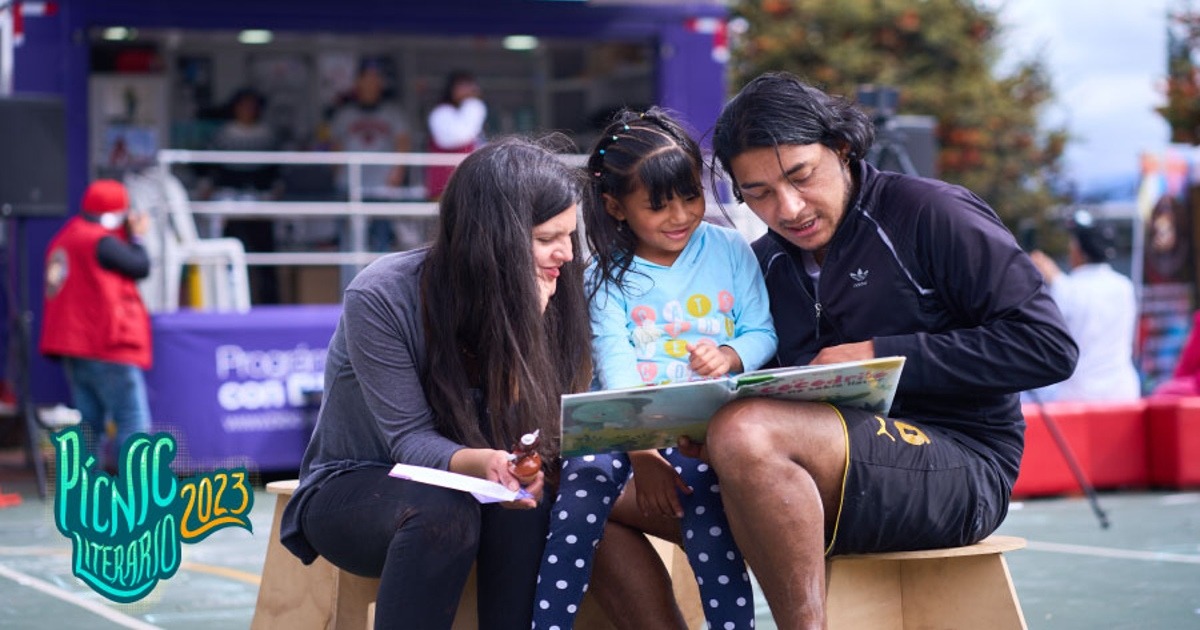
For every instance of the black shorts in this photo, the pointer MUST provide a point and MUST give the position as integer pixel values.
(910, 485)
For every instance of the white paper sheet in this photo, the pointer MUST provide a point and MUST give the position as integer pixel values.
(483, 490)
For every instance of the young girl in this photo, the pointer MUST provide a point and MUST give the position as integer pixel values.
(672, 299)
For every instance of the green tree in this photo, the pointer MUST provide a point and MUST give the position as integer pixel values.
(941, 56)
(1182, 110)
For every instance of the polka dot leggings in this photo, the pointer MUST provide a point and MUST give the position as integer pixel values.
(588, 488)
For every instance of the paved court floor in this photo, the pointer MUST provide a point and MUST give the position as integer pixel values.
(1142, 573)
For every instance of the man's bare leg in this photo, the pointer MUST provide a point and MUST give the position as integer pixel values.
(630, 582)
(781, 466)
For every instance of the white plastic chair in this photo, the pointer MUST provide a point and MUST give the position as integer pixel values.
(145, 197)
(222, 261)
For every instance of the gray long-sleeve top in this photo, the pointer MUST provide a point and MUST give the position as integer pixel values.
(374, 411)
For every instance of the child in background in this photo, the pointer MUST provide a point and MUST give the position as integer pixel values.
(672, 299)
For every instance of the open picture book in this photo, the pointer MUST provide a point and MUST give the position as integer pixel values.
(639, 418)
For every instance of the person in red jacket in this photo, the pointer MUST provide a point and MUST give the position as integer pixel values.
(93, 317)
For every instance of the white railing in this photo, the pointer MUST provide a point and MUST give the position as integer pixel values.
(356, 208)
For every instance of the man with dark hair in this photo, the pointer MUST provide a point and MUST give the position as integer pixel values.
(1100, 309)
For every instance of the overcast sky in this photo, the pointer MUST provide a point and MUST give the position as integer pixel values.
(1107, 59)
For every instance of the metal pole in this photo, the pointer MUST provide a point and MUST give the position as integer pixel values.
(1072, 463)
(7, 46)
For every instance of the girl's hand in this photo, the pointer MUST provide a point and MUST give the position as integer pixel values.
(493, 465)
(709, 360)
(658, 484)
(695, 450)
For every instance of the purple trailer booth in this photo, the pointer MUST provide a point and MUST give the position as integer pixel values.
(683, 57)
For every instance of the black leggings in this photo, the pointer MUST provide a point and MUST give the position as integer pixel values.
(421, 540)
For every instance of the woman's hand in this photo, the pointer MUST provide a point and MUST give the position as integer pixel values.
(658, 484)
(535, 488)
(493, 465)
(546, 290)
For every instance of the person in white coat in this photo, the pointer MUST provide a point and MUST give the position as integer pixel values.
(455, 126)
(1100, 308)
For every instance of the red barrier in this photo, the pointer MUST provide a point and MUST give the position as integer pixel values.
(1117, 436)
(1044, 469)
(1173, 428)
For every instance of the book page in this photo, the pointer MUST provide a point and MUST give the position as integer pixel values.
(639, 418)
(484, 491)
(869, 384)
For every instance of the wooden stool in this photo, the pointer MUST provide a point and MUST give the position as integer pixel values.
(293, 596)
(958, 587)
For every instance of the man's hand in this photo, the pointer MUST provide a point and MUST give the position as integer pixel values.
(1046, 265)
(859, 351)
(658, 484)
(138, 222)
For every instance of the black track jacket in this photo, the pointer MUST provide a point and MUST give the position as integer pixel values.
(928, 271)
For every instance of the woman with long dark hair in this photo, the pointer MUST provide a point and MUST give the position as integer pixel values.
(443, 358)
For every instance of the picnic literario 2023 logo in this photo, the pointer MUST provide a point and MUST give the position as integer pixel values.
(126, 531)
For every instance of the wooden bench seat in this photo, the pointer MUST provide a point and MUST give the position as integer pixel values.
(960, 587)
(292, 596)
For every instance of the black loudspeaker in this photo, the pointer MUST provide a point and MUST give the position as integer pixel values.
(908, 144)
(33, 156)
